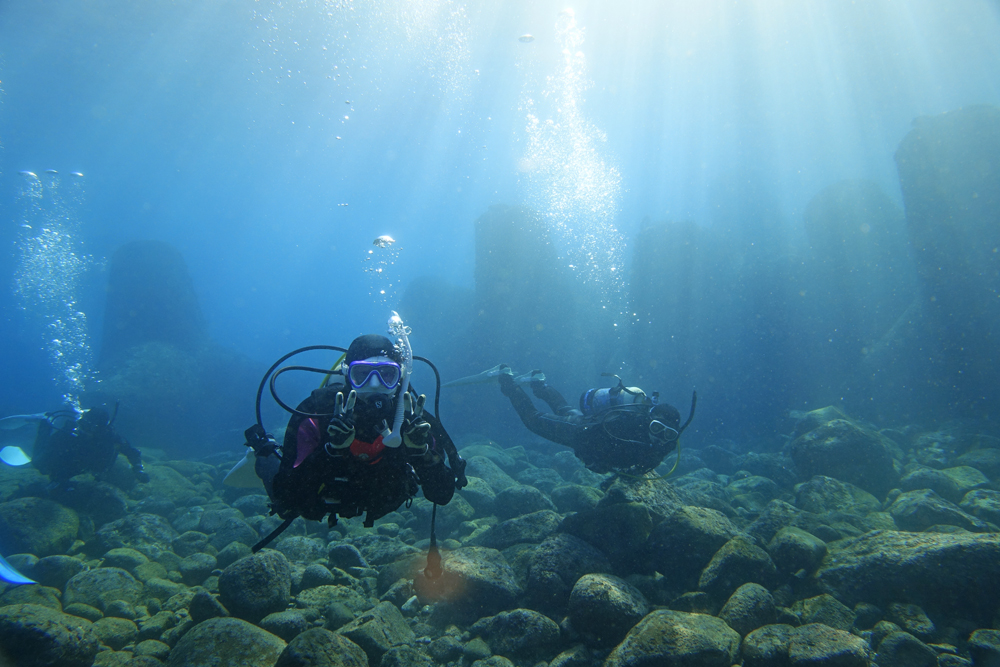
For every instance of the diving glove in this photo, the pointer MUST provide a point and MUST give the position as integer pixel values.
(415, 430)
(341, 427)
(140, 474)
(458, 469)
(506, 380)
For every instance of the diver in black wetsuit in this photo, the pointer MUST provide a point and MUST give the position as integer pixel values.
(615, 430)
(68, 444)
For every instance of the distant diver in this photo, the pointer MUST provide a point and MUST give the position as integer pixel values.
(67, 443)
(362, 443)
(616, 429)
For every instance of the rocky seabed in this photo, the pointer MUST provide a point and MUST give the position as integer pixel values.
(840, 544)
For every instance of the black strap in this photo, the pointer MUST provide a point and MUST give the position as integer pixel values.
(273, 534)
(433, 569)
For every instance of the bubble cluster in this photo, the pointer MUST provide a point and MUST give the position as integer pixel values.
(379, 265)
(568, 179)
(50, 267)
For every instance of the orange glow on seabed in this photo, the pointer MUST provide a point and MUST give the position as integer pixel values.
(448, 587)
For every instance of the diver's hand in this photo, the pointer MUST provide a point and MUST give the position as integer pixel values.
(415, 430)
(458, 469)
(141, 475)
(341, 428)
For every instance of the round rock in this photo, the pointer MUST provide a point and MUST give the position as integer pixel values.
(36, 636)
(677, 638)
(226, 642)
(605, 608)
(255, 586)
(321, 648)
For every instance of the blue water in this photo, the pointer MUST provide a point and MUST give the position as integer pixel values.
(271, 142)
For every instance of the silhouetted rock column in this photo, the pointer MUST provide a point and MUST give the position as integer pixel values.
(859, 281)
(529, 311)
(949, 169)
(150, 297)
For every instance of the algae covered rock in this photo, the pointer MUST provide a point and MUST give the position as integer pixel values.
(767, 646)
(519, 633)
(825, 494)
(378, 630)
(520, 499)
(677, 638)
(845, 451)
(226, 642)
(36, 526)
(36, 636)
(685, 541)
(149, 534)
(321, 648)
(956, 572)
(556, 565)
(818, 644)
(526, 528)
(749, 608)
(604, 608)
(739, 561)
(101, 587)
(793, 549)
(919, 510)
(255, 586)
(901, 649)
(475, 582)
(618, 529)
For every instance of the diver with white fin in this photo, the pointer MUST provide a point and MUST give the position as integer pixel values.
(66, 443)
(362, 443)
(616, 429)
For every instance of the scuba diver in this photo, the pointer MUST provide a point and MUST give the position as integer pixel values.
(68, 443)
(618, 429)
(362, 443)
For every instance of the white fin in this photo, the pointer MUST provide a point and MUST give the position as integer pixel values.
(244, 475)
(19, 421)
(14, 456)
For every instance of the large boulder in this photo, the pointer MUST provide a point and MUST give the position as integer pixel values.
(749, 608)
(619, 530)
(226, 642)
(677, 638)
(826, 494)
(956, 572)
(739, 561)
(36, 526)
(846, 451)
(36, 636)
(604, 608)
(378, 630)
(149, 534)
(474, 582)
(321, 648)
(556, 565)
(520, 633)
(255, 586)
(951, 483)
(685, 541)
(919, 510)
(102, 586)
(527, 528)
(520, 499)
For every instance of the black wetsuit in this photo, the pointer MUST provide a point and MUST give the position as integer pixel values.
(69, 450)
(365, 477)
(616, 440)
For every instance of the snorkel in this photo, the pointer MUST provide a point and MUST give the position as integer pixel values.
(401, 332)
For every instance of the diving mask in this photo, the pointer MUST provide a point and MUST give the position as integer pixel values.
(377, 374)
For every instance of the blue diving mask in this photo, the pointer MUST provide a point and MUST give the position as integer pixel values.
(376, 374)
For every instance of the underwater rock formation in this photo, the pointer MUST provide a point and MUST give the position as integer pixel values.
(150, 297)
(859, 279)
(949, 171)
(176, 386)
